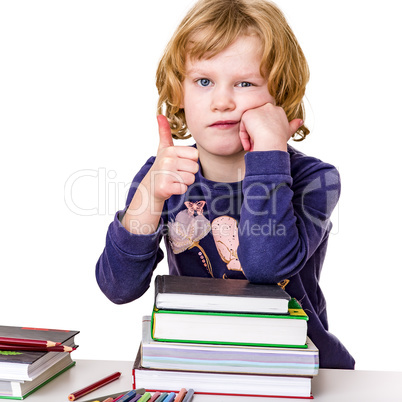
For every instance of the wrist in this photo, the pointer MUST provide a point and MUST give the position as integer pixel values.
(271, 145)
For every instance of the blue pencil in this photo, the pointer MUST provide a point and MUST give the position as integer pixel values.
(170, 397)
(129, 396)
(189, 395)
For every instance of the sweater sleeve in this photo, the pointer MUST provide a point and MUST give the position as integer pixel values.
(124, 269)
(285, 213)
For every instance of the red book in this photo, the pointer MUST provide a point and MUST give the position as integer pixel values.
(218, 383)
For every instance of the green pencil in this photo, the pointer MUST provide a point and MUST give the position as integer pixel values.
(145, 397)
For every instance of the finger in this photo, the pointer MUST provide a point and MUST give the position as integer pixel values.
(165, 134)
(294, 125)
(244, 137)
(187, 165)
(186, 178)
(171, 188)
(186, 152)
(178, 188)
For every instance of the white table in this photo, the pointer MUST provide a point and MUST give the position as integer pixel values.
(328, 386)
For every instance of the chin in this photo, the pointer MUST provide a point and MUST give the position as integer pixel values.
(223, 148)
(226, 151)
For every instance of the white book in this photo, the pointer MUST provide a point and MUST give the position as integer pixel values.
(227, 358)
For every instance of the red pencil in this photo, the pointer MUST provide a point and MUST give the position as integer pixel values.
(28, 342)
(58, 348)
(78, 394)
(155, 396)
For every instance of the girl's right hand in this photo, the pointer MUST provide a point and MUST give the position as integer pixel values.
(174, 168)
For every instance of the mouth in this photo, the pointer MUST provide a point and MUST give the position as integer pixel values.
(225, 124)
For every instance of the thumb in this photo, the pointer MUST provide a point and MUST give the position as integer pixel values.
(294, 125)
(165, 134)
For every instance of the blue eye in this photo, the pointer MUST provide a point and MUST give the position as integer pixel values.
(245, 84)
(204, 82)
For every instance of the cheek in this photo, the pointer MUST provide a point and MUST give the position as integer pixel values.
(266, 97)
(256, 100)
(192, 116)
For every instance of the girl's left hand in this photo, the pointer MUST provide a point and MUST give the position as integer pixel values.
(266, 128)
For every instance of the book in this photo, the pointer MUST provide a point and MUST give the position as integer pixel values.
(215, 294)
(232, 328)
(226, 358)
(21, 389)
(214, 383)
(27, 365)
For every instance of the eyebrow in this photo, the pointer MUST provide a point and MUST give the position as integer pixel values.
(242, 75)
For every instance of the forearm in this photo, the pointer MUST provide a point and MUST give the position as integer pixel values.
(282, 223)
(144, 211)
(124, 269)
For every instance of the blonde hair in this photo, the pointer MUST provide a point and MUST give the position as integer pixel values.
(211, 26)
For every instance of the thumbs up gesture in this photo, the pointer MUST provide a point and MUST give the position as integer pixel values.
(174, 168)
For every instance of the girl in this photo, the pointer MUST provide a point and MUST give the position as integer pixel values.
(241, 202)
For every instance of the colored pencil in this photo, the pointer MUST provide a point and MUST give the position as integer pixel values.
(116, 399)
(145, 398)
(108, 400)
(57, 348)
(92, 387)
(27, 342)
(155, 396)
(129, 396)
(162, 397)
(180, 395)
(170, 397)
(136, 398)
(189, 395)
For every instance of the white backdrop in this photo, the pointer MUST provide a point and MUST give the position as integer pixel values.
(77, 121)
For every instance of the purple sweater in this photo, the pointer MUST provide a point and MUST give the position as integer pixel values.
(272, 227)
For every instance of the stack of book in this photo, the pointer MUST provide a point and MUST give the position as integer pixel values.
(225, 337)
(31, 357)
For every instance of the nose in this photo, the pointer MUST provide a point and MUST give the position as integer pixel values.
(222, 100)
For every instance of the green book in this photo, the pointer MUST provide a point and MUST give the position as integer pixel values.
(19, 390)
(275, 330)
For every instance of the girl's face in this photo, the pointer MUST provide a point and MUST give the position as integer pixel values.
(216, 93)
